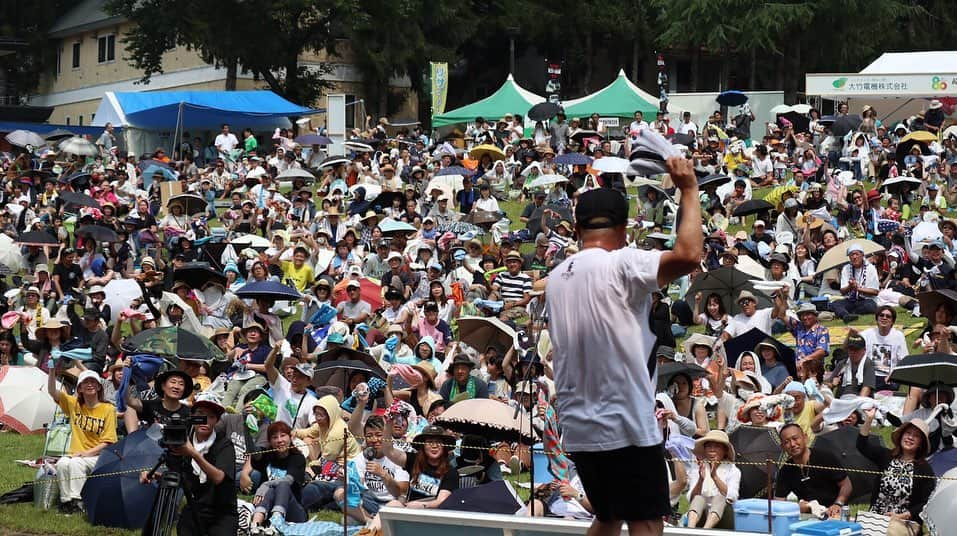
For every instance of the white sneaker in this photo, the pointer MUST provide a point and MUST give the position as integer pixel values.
(505, 469)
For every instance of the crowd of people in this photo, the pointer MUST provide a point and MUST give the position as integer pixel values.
(391, 245)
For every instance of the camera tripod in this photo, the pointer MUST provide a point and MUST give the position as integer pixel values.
(166, 504)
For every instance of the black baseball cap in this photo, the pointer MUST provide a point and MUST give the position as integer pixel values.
(601, 208)
(855, 341)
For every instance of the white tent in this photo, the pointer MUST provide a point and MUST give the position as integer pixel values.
(931, 74)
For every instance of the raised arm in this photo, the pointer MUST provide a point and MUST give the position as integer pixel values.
(270, 365)
(686, 254)
(51, 382)
(388, 450)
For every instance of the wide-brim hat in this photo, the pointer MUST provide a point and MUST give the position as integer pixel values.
(921, 425)
(254, 325)
(715, 436)
(699, 339)
(767, 342)
(427, 371)
(745, 295)
(210, 401)
(807, 308)
(462, 359)
(935, 104)
(434, 432)
(52, 323)
(187, 382)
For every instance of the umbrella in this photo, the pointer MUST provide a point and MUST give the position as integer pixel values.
(904, 148)
(269, 290)
(251, 241)
(149, 162)
(930, 301)
(119, 500)
(197, 274)
(643, 190)
(921, 370)
(453, 170)
(611, 164)
(36, 238)
(151, 171)
(801, 108)
(337, 365)
(191, 203)
(390, 226)
(780, 109)
(385, 199)
(752, 206)
(584, 134)
(837, 255)
(893, 185)
(543, 111)
(535, 220)
(919, 135)
(172, 341)
(79, 146)
(827, 120)
(573, 159)
(939, 512)
(313, 139)
(11, 261)
(669, 370)
(296, 173)
(749, 339)
(369, 291)
(492, 151)
(843, 444)
(358, 146)
(480, 333)
(731, 97)
(459, 228)
(799, 121)
(844, 124)
(727, 282)
(488, 418)
(483, 217)
(682, 139)
(496, 497)
(715, 179)
(546, 180)
(924, 233)
(755, 444)
(97, 233)
(119, 294)
(58, 134)
(943, 461)
(80, 200)
(333, 161)
(25, 406)
(22, 138)
(78, 178)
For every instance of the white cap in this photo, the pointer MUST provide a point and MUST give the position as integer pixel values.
(353, 284)
(394, 255)
(89, 375)
(759, 223)
(355, 270)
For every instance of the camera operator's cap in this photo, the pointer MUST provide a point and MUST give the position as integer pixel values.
(210, 401)
(600, 209)
(161, 378)
(854, 248)
(88, 375)
(855, 341)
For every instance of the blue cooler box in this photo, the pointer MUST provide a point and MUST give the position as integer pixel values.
(831, 527)
(751, 515)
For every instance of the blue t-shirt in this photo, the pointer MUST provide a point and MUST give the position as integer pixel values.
(258, 356)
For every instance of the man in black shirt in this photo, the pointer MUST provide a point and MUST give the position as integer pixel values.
(831, 488)
(172, 386)
(67, 274)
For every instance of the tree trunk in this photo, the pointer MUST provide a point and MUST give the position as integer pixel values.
(753, 70)
(232, 65)
(586, 80)
(725, 73)
(695, 67)
(790, 93)
(634, 60)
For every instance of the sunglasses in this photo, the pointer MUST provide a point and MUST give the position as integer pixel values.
(885, 316)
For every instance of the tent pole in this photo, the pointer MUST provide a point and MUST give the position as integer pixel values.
(176, 134)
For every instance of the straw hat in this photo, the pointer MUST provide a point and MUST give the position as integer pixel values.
(698, 339)
(924, 430)
(715, 436)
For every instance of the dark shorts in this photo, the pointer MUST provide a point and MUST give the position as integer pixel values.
(627, 484)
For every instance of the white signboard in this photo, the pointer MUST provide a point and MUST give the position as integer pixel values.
(882, 85)
(336, 123)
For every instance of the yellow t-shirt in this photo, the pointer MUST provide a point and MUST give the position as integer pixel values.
(301, 277)
(90, 426)
(806, 419)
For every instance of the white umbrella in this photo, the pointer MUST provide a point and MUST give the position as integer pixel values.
(25, 405)
(925, 232)
(10, 257)
(79, 146)
(836, 257)
(293, 173)
(119, 294)
(896, 180)
(611, 164)
(372, 190)
(22, 138)
(950, 131)
(252, 241)
(801, 108)
(358, 147)
(780, 109)
(546, 180)
(939, 511)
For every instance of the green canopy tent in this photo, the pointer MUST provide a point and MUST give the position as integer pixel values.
(510, 98)
(621, 98)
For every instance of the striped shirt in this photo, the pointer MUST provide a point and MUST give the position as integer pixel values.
(513, 287)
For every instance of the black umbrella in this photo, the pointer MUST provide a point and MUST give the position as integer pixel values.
(921, 370)
(492, 498)
(113, 495)
(667, 371)
(904, 148)
(827, 120)
(752, 206)
(198, 274)
(269, 290)
(333, 161)
(727, 282)
(582, 134)
(535, 220)
(144, 164)
(172, 341)
(746, 342)
(36, 238)
(336, 372)
(682, 139)
(731, 97)
(453, 170)
(844, 124)
(80, 177)
(79, 200)
(98, 233)
(643, 189)
(313, 139)
(930, 301)
(543, 111)
(800, 122)
(715, 179)
(192, 204)
(842, 443)
(58, 134)
(755, 444)
(384, 199)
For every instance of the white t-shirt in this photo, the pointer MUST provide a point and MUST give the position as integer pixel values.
(375, 483)
(287, 401)
(688, 128)
(598, 305)
(885, 351)
(741, 323)
(226, 142)
(866, 277)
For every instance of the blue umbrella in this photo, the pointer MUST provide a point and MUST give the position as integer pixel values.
(167, 173)
(573, 159)
(313, 139)
(732, 97)
(453, 170)
(388, 226)
(269, 290)
(121, 501)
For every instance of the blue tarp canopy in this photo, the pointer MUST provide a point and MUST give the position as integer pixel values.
(159, 110)
(45, 128)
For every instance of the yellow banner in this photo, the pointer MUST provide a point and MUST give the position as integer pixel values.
(440, 86)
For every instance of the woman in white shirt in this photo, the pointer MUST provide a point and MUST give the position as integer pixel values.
(486, 201)
(714, 482)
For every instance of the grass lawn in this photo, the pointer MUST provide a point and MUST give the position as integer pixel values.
(23, 518)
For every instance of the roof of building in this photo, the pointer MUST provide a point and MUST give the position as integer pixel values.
(85, 16)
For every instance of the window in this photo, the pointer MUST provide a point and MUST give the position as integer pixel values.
(76, 55)
(67, 120)
(106, 49)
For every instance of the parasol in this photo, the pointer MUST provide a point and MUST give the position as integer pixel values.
(842, 443)
(112, 495)
(727, 282)
(25, 406)
(573, 159)
(22, 138)
(844, 124)
(922, 370)
(198, 274)
(543, 111)
(98, 233)
(268, 290)
(79, 146)
(36, 238)
(485, 149)
(731, 97)
(335, 368)
(930, 301)
(391, 226)
(752, 206)
(755, 444)
(488, 418)
(481, 332)
(667, 371)
(78, 200)
(313, 139)
(611, 164)
(747, 341)
(172, 341)
(192, 204)
(836, 257)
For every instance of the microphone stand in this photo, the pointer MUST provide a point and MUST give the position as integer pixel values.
(527, 377)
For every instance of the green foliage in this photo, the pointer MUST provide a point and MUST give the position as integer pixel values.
(29, 21)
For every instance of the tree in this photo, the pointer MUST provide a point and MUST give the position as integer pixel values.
(29, 22)
(264, 37)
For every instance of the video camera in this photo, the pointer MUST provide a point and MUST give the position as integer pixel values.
(176, 430)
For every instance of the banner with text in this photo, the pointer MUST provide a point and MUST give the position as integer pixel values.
(553, 81)
(440, 86)
(881, 85)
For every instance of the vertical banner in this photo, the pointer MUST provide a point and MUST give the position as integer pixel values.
(553, 80)
(440, 86)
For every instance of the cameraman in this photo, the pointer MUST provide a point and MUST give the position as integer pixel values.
(206, 465)
(173, 386)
